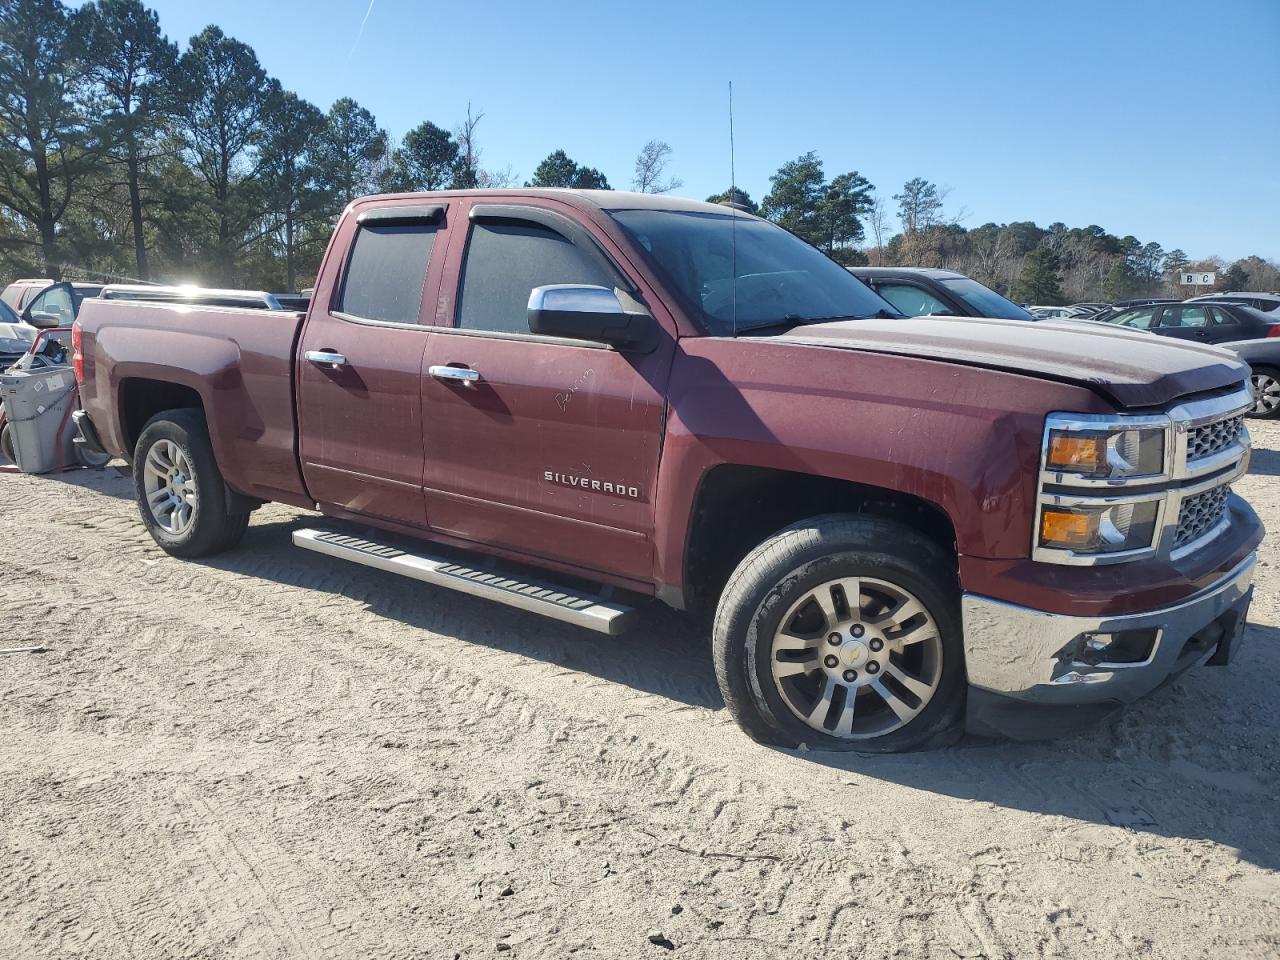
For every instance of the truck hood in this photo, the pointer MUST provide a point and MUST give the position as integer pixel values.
(1131, 368)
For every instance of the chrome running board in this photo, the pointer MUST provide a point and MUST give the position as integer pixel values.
(593, 613)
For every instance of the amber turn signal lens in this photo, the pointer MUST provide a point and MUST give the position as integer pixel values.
(1059, 528)
(1076, 453)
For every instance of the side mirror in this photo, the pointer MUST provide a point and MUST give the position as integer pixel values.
(586, 312)
(43, 320)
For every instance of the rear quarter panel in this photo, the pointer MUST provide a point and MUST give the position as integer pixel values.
(238, 361)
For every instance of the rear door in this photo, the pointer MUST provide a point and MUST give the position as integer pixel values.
(552, 450)
(1184, 321)
(1226, 326)
(360, 364)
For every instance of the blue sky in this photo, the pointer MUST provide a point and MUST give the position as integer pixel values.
(1160, 119)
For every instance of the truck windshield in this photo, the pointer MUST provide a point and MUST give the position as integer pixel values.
(986, 301)
(781, 279)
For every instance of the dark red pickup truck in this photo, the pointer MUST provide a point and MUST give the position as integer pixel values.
(896, 523)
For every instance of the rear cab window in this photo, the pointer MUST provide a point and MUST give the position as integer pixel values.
(986, 301)
(386, 272)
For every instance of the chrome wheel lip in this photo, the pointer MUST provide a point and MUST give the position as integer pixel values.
(170, 488)
(1266, 393)
(811, 670)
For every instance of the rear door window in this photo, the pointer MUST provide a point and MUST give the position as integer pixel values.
(912, 300)
(386, 273)
(505, 260)
(1224, 318)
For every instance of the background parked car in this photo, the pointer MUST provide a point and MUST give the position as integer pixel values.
(21, 292)
(1198, 321)
(15, 336)
(1266, 302)
(54, 304)
(1085, 310)
(921, 292)
(1263, 357)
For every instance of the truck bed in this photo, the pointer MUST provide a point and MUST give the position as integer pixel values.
(237, 363)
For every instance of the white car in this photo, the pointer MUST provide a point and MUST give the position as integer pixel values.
(1053, 313)
(16, 337)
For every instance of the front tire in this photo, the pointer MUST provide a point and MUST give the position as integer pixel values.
(183, 500)
(6, 444)
(843, 633)
(1266, 392)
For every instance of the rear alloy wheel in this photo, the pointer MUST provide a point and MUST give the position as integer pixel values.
(857, 658)
(170, 486)
(1266, 392)
(182, 497)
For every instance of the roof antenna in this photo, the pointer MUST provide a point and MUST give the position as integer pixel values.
(733, 201)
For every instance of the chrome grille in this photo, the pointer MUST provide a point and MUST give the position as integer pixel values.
(7, 360)
(1200, 514)
(1211, 438)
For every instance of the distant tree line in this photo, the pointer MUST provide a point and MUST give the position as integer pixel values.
(1051, 265)
(123, 156)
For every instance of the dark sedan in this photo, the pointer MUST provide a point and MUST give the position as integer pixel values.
(1197, 321)
(922, 292)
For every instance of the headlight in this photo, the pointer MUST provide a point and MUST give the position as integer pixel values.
(1100, 529)
(1111, 452)
(10, 345)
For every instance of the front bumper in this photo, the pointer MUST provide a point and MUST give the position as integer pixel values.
(1019, 657)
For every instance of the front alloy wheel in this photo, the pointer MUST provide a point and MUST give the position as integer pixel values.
(843, 632)
(857, 658)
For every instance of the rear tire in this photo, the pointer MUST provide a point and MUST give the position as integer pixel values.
(183, 500)
(6, 444)
(1266, 391)
(889, 667)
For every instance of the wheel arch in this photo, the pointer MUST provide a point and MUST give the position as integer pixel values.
(738, 506)
(141, 398)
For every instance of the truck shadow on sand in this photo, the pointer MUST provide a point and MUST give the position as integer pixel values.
(1264, 462)
(1197, 760)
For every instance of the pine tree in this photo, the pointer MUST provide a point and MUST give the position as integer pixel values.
(738, 195)
(558, 170)
(130, 64)
(1040, 283)
(1120, 282)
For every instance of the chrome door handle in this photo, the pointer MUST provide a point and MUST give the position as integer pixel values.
(325, 357)
(454, 373)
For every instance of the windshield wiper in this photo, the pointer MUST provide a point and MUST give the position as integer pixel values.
(792, 320)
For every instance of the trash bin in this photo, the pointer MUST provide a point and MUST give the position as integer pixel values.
(37, 405)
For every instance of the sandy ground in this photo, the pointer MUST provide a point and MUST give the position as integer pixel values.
(274, 754)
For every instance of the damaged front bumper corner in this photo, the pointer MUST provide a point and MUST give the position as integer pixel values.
(1035, 675)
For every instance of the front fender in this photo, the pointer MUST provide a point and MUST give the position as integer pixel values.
(965, 439)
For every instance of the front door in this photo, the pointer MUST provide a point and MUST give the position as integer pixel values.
(552, 449)
(360, 368)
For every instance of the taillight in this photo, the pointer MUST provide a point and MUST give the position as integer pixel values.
(1273, 330)
(77, 355)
